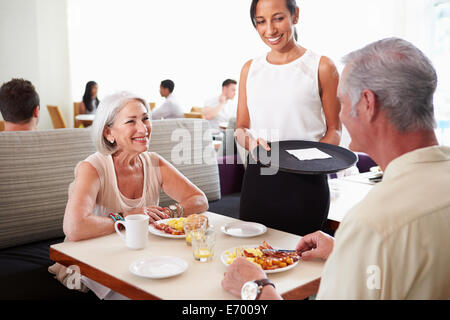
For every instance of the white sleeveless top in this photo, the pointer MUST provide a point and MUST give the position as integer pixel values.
(283, 100)
(110, 199)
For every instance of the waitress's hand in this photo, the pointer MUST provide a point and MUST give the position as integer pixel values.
(257, 142)
(155, 213)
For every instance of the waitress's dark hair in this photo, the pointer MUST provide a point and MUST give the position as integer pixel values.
(290, 4)
(87, 97)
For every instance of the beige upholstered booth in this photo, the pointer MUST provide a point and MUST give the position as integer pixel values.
(37, 167)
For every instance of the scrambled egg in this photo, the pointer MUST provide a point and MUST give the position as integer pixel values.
(176, 223)
(230, 256)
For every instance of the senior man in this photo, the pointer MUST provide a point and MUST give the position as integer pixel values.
(394, 243)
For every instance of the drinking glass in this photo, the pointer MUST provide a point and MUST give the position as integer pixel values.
(194, 223)
(203, 243)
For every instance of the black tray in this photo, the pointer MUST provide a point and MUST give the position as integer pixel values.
(341, 158)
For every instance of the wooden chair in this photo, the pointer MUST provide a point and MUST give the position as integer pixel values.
(76, 111)
(196, 112)
(196, 109)
(198, 115)
(56, 116)
(2, 125)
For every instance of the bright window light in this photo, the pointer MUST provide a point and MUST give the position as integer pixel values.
(135, 44)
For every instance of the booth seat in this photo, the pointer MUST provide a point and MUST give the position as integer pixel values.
(36, 169)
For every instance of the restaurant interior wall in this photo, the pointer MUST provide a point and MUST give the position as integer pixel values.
(34, 46)
(133, 44)
(137, 43)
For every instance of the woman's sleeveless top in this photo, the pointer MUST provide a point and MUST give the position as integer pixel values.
(110, 199)
(283, 100)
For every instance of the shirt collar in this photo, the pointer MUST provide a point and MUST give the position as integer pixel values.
(402, 164)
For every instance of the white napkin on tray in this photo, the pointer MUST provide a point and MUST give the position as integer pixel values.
(309, 154)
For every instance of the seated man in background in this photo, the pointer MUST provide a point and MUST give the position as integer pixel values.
(19, 105)
(221, 109)
(171, 108)
(392, 245)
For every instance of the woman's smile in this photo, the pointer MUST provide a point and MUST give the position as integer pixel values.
(141, 139)
(274, 40)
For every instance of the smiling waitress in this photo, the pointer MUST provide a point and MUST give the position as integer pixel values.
(288, 94)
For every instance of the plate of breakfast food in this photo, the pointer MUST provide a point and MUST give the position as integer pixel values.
(168, 228)
(174, 227)
(271, 260)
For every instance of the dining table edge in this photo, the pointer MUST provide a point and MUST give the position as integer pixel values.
(106, 279)
(303, 292)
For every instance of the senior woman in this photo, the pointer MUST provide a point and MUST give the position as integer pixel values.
(123, 178)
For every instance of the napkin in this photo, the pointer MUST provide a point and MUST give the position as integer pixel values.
(309, 154)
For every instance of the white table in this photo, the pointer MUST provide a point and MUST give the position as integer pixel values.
(107, 260)
(345, 193)
(85, 117)
(223, 125)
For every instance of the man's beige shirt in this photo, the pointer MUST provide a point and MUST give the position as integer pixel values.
(395, 244)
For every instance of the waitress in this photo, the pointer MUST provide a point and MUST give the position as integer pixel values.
(287, 94)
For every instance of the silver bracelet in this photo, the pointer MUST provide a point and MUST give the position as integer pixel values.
(179, 210)
(173, 213)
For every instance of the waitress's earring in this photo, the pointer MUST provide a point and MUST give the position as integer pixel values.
(112, 141)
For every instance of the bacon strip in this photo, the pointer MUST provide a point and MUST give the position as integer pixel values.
(167, 229)
(273, 260)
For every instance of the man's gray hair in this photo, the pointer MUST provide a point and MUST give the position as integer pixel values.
(105, 116)
(402, 78)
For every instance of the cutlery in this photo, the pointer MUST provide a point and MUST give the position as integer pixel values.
(279, 250)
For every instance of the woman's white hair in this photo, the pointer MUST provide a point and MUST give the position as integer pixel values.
(402, 78)
(105, 116)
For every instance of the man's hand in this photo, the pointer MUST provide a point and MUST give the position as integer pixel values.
(238, 273)
(315, 245)
(222, 99)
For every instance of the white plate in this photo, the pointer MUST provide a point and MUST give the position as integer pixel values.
(158, 267)
(242, 229)
(223, 258)
(161, 233)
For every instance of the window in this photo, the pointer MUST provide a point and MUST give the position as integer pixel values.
(441, 59)
(134, 44)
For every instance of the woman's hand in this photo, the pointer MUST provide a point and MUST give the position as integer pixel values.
(155, 213)
(253, 143)
(315, 245)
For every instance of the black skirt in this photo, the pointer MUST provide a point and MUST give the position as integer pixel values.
(294, 203)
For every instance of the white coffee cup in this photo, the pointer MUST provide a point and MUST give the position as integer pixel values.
(136, 230)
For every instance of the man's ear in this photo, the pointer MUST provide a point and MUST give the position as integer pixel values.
(370, 105)
(36, 111)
